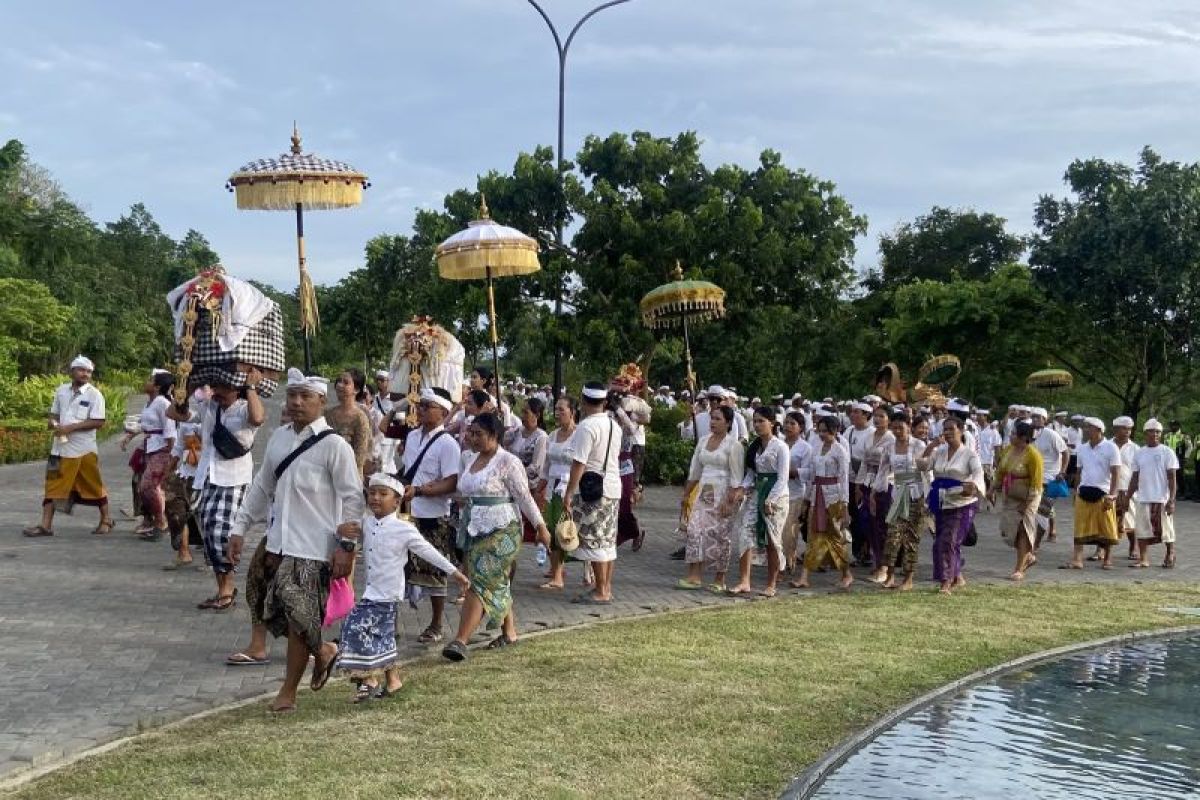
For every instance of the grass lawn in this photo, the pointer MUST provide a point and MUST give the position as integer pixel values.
(728, 702)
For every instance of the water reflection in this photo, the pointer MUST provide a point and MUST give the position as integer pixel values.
(1116, 722)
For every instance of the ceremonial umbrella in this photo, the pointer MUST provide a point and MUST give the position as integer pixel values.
(677, 303)
(487, 249)
(297, 181)
(1050, 379)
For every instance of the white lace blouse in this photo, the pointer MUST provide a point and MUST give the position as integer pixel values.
(722, 467)
(503, 476)
(872, 456)
(531, 449)
(774, 458)
(556, 464)
(833, 464)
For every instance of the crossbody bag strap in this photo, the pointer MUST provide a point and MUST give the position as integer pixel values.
(306, 445)
(608, 447)
(411, 472)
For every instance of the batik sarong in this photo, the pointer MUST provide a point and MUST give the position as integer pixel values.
(295, 599)
(709, 533)
(490, 559)
(368, 640)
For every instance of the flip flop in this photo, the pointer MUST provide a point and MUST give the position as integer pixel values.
(1069, 566)
(589, 600)
(738, 592)
(551, 587)
(320, 675)
(499, 642)
(104, 528)
(36, 531)
(768, 592)
(244, 660)
(289, 708)
(1138, 566)
(716, 588)
(686, 585)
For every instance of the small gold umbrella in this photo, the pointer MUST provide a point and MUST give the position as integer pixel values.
(486, 249)
(676, 303)
(1050, 380)
(297, 181)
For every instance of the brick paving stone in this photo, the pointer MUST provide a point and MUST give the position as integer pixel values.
(100, 642)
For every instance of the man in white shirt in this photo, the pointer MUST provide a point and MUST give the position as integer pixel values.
(385, 448)
(1054, 467)
(73, 469)
(715, 397)
(1155, 482)
(223, 474)
(857, 436)
(1073, 436)
(663, 397)
(593, 503)
(310, 486)
(1095, 503)
(431, 464)
(989, 443)
(1126, 525)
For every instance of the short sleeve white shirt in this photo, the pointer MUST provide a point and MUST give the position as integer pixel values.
(1096, 463)
(1151, 465)
(588, 448)
(1051, 446)
(71, 406)
(440, 462)
(154, 418)
(225, 471)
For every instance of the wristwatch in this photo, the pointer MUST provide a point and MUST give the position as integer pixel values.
(348, 545)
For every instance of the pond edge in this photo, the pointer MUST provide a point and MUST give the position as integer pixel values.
(803, 785)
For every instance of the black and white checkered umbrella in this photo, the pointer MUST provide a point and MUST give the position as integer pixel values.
(296, 181)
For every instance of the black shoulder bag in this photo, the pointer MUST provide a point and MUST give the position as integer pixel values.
(407, 476)
(591, 484)
(304, 447)
(224, 442)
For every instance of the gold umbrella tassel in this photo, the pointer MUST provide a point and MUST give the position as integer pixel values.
(310, 316)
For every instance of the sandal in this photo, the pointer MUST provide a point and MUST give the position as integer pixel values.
(38, 530)
(321, 673)
(105, 526)
(716, 588)
(771, 592)
(208, 604)
(685, 584)
(364, 692)
(225, 601)
(242, 659)
(455, 651)
(430, 635)
(551, 587)
(500, 642)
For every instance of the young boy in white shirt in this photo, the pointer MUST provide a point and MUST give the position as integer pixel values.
(368, 647)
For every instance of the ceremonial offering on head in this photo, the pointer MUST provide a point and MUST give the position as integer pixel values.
(224, 326)
(424, 356)
(890, 385)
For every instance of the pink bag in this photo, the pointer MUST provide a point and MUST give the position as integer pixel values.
(341, 600)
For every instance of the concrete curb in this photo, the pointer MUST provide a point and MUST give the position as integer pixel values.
(806, 782)
(23, 777)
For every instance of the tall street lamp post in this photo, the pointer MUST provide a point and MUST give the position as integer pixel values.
(563, 47)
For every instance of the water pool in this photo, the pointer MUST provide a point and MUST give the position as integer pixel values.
(1119, 721)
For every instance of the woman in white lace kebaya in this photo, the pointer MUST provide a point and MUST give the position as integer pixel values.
(529, 443)
(717, 469)
(552, 481)
(493, 485)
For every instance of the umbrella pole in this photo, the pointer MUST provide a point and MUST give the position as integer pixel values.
(300, 291)
(691, 377)
(491, 295)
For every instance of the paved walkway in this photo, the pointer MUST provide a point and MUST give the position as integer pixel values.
(99, 642)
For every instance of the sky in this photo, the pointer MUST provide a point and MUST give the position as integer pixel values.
(903, 105)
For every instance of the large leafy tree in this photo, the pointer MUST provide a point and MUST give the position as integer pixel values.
(32, 323)
(944, 244)
(778, 240)
(1122, 257)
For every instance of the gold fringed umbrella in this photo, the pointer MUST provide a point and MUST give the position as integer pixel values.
(676, 304)
(936, 378)
(1050, 380)
(297, 181)
(487, 250)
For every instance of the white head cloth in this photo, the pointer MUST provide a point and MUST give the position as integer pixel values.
(430, 397)
(1094, 422)
(312, 383)
(716, 391)
(1038, 411)
(1152, 425)
(82, 362)
(383, 479)
(595, 393)
(1123, 422)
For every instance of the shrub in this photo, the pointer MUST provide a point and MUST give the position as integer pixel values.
(23, 440)
(667, 459)
(23, 408)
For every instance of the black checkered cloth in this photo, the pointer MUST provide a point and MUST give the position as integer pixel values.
(217, 508)
(300, 163)
(262, 345)
(229, 375)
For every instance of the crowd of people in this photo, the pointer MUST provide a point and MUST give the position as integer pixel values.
(800, 487)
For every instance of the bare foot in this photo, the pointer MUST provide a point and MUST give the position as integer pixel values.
(741, 588)
(283, 704)
(907, 586)
(799, 584)
(888, 584)
(945, 587)
(1017, 576)
(959, 582)
(846, 582)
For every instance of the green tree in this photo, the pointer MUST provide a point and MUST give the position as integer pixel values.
(1122, 258)
(998, 327)
(947, 243)
(31, 323)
